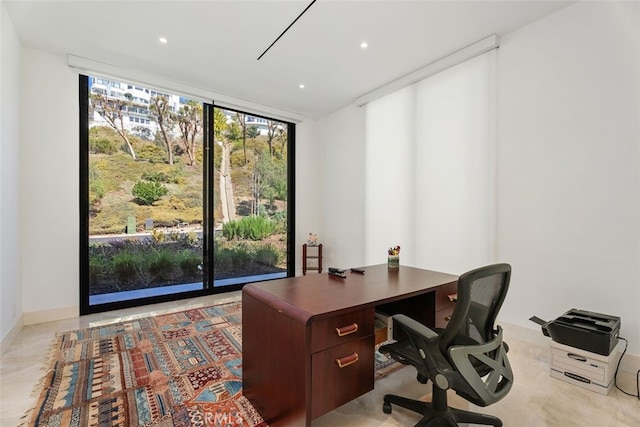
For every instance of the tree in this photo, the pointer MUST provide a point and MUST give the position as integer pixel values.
(112, 111)
(224, 133)
(220, 125)
(163, 115)
(269, 180)
(282, 137)
(189, 120)
(252, 131)
(273, 129)
(241, 120)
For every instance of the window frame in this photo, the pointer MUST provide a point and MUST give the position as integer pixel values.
(208, 209)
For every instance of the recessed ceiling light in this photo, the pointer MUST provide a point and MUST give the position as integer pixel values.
(163, 40)
(364, 45)
(301, 86)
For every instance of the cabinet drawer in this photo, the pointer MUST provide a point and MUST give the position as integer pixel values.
(340, 374)
(443, 316)
(578, 363)
(332, 331)
(443, 296)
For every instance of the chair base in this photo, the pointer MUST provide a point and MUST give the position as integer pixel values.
(435, 415)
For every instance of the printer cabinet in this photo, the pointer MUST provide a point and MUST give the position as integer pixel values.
(583, 368)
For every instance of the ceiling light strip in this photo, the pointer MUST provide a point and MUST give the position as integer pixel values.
(435, 67)
(89, 66)
(286, 29)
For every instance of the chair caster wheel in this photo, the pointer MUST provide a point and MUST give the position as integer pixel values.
(386, 407)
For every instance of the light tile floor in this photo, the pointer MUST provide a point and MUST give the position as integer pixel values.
(536, 399)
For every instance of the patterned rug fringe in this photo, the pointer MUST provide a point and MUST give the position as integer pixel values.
(45, 367)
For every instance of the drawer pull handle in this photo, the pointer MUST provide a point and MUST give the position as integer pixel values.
(453, 297)
(346, 330)
(347, 360)
(576, 357)
(447, 318)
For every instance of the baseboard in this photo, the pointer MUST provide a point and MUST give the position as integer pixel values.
(34, 317)
(11, 335)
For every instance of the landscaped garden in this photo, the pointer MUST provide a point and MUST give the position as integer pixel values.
(146, 212)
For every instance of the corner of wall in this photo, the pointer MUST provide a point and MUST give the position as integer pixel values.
(7, 340)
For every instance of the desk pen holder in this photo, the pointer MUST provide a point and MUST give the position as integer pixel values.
(393, 262)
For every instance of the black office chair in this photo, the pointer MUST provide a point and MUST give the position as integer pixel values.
(468, 356)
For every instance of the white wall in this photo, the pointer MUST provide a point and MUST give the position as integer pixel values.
(308, 188)
(568, 164)
(10, 290)
(49, 177)
(341, 205)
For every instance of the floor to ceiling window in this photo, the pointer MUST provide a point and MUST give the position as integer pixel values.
(178, 198)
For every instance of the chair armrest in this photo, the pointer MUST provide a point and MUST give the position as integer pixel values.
(426, 343)
(416, 327)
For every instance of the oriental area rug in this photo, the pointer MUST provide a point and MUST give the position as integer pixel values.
(180, 369)
(173, 370)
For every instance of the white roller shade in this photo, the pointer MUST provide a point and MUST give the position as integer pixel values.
(430, 169)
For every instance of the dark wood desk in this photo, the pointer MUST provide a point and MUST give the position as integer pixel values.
(308, 342)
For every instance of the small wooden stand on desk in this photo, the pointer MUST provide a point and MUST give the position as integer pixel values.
(306, 257)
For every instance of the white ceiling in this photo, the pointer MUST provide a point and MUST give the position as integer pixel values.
(214, 44)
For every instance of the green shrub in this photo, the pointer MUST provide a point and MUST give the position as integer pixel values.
(241, 255)
(126, 266)
(222, 259)
(228, 258)
(268, 255)
(96, 191)
(97, 187)
(280, 218)
(146, 193)
(102, 146)
(97, 266)
(250, 227)
(161, 264)
(189, 262)
(155, 176)
(151, 152)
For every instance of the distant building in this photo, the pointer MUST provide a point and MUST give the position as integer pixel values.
(137, 115)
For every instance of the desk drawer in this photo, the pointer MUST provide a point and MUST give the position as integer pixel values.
(445, 304)
(443, 316)
(443, 296)
(332, 331)
(341, 374)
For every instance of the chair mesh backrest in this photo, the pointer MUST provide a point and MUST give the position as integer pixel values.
(484, 295)
(481, 293)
